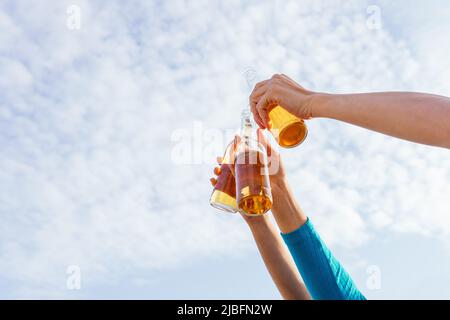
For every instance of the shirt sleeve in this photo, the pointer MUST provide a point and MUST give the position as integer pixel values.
(323, 275)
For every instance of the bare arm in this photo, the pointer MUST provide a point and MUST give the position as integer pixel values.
(286, 210)
(322, 273)
(324, 276)
(277, 259)
(274, 253)
(418, 117)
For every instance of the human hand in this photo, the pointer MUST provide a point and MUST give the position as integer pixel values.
(276, 168)
(286, 210)
(252, 221)
(277, 172)
(283, 91)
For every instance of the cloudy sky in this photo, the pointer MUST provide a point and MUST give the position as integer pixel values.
(111, 116)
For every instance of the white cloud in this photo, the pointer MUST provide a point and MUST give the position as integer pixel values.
(15, 75)
(380, 219)
(86, 123)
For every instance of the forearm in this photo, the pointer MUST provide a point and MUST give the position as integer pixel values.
(287, 212)
(324, 276)
(417, 117)
(277, 259)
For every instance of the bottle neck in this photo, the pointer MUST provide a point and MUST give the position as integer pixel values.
(249, 140)
(247, 127)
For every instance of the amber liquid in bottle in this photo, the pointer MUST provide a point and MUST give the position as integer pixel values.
(223, 196)
(224, 193)
(288, 130)
(254, 196)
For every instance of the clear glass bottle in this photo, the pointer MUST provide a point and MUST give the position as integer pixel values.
(223, 196)
(253, 192)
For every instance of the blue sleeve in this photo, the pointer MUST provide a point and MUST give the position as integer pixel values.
(323, 275)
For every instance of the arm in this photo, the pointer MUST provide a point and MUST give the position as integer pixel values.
(324, 276)
(275, 255)
(417, 117)
(277, 259)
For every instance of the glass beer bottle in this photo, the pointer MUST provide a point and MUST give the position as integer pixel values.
(253, 193)
(223, 196)
(288, 130)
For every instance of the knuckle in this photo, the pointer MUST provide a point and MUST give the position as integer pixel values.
(259, 84)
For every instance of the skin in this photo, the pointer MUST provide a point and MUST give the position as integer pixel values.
(288, 215)
(417, 117)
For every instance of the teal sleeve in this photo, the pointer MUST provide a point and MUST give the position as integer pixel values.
(323, 275)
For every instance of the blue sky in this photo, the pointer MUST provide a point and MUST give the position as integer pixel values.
(108, 134)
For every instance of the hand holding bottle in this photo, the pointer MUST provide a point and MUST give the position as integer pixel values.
(277, 173)
(275, 166)
(285, 209)
(251, 220)
(283, 91)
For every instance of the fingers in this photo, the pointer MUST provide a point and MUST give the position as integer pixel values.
(286, 78)
(256, 116)
(267, 143)
(261, 83)
(259, 90)
(273, 156)
(217, 171)
(254, 98)
(262, 109)
(263, 140)
(262, 97)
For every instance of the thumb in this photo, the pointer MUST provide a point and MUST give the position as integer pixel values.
(264, 141)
